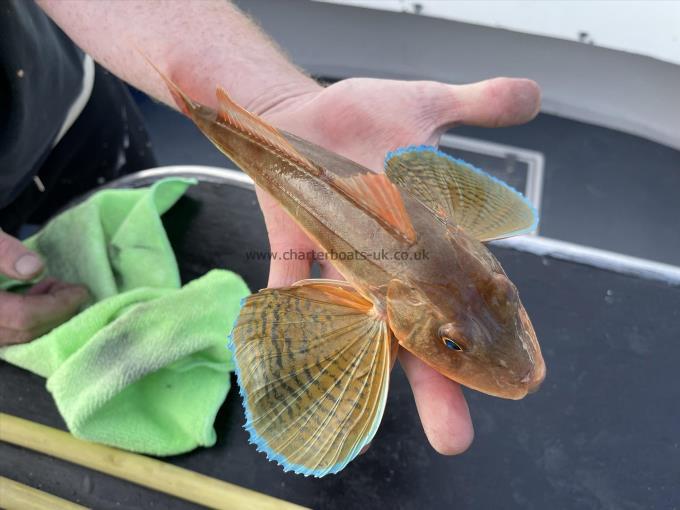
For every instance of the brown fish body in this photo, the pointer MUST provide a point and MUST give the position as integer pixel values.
(437, 286)
(366, 254)
(313, 360)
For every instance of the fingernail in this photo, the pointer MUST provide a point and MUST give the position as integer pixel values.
(28, 264)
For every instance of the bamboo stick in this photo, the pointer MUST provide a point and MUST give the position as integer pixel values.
(152, 473)
(17, 496)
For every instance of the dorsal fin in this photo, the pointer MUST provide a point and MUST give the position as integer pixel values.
(373, 193)
(244, 121)
(376, 194)
(485, 207)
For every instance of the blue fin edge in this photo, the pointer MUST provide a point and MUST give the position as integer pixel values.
(261, 444)
(430, 148)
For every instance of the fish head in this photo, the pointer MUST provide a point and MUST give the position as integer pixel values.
(472, 328)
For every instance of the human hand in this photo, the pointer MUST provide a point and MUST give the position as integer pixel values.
(362, 119)
(44, 306)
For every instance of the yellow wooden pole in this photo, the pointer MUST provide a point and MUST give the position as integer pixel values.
(17, 496)
(135, 468)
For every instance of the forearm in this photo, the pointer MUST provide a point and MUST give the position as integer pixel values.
(199, 44)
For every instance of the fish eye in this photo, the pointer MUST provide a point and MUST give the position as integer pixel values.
(449, 334)
(451, 344)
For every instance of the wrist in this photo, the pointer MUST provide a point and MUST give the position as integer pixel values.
(284, 97)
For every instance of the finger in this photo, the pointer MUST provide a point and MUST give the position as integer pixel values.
(291, 253)
(284, 273)
(12, 336)
(43, 286)
(493, 103)
(290, 248)
(441, 406)
(39, 328)
(38, 313)
(17, 261)
(329, 271)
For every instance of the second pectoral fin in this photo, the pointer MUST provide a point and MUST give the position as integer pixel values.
(484, 206)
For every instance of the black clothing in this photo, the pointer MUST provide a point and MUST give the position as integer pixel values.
(107, 140)
(41, 74)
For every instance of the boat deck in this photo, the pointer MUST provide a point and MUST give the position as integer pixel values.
(601, 432)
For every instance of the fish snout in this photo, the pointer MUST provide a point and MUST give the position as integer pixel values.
(535, 376)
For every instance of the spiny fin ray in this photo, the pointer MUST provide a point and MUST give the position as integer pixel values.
(245, 122)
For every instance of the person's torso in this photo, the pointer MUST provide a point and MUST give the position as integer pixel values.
(41, 78)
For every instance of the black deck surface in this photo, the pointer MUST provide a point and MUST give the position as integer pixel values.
(603, 431)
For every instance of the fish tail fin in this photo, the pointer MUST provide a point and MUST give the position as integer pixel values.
(238, 118)
(313, 363)
(183, 102)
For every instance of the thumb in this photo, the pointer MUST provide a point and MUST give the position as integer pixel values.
(17, 261)
(491, 103)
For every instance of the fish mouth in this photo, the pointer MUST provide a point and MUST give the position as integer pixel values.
(535, 377)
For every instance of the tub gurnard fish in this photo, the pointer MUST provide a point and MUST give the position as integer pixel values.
(313, 360)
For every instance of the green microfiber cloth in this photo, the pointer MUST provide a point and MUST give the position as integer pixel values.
(146, 366)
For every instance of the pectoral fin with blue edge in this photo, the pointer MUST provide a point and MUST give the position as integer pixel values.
(313, 363)
(485, 207)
